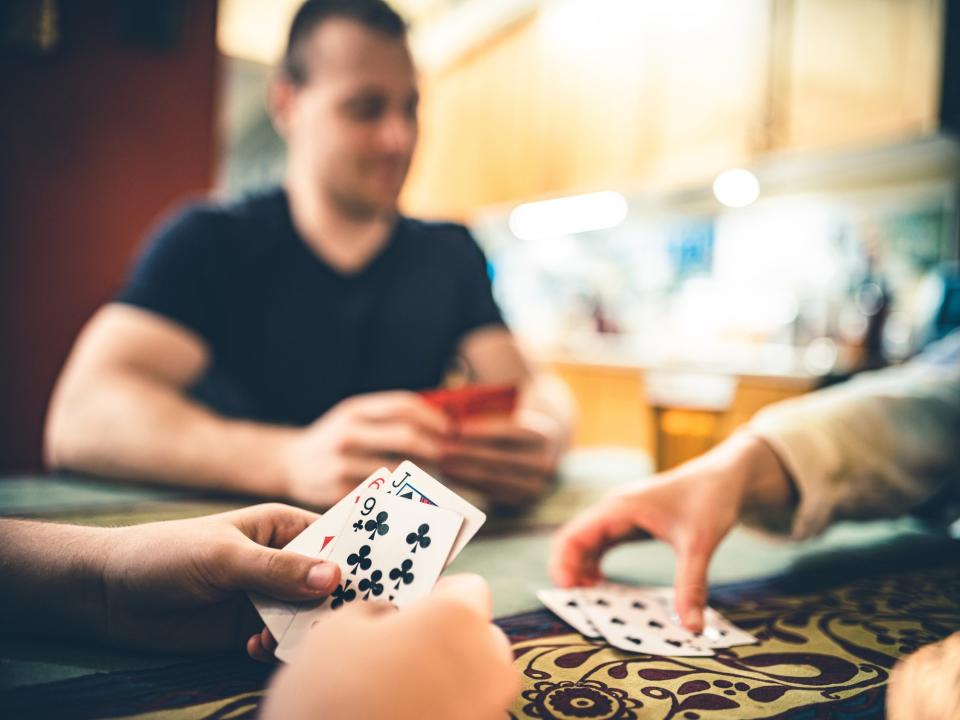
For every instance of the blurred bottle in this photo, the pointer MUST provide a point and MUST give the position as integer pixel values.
(873, 299)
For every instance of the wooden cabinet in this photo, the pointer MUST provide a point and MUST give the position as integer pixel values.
(854, 72)
(588, 95)
(584, 95)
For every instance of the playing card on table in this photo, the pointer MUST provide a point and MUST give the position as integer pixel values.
(390, 549)
(718, 632)
(567, 605)
(635, 620)
(316, 542)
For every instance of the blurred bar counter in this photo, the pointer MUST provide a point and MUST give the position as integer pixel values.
(674, 405)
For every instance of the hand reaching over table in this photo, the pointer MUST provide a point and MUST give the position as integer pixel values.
(692, 508)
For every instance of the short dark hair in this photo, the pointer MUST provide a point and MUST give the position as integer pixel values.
(373, 14)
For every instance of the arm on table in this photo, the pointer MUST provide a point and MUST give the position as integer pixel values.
(120, 409)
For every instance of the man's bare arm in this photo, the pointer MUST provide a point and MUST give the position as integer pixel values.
(120, 409)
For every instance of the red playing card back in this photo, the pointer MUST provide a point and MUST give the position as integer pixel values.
(474, 400)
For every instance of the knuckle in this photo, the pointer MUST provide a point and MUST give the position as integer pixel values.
(414, 438)
(275, 565)
(219, 561)
(274, 508)
(341, 443)
(337, 470)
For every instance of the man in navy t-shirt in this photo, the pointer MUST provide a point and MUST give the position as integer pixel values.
(273, 345)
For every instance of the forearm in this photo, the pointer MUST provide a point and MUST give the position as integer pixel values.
(52, 579)
(133, 427)
(753, 471)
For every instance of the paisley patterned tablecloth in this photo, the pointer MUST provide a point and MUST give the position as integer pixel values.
(832, 623)
(821, 654)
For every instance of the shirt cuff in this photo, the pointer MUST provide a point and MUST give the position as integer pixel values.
(811, 459)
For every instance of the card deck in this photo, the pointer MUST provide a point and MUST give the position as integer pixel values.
(316, 541)
(407, 482)
(390, 549)
(642, 620)
(473, 401)
(718, 632)
(567, 605)
(634, 620)
(411, 483)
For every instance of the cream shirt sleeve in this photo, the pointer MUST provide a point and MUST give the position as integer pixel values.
(879, 445)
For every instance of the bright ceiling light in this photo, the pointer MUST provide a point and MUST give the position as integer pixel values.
(568, 215)
(736, 188)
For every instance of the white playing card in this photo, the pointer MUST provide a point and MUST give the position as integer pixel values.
(633, 619)
(316, 542)
(410, 482)
(718, 632)
(390, 549)
(566, 605)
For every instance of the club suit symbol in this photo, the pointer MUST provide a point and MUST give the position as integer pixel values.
(372, 584)
(360, 560)
(343, 594)
(377, 526)
(402, 574)
(420, 538)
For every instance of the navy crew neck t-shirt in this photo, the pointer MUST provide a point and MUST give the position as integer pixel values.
(288, 335)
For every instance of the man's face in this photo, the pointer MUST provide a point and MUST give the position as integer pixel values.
(352, 128)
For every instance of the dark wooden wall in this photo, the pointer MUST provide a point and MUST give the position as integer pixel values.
(97, 138)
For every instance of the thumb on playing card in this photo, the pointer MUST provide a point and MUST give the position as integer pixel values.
(282, 574)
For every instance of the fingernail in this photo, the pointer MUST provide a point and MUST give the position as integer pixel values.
(321, 576)
(691, 618)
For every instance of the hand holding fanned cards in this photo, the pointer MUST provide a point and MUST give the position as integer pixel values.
(316, 542)
(641, 620)
(392, 537)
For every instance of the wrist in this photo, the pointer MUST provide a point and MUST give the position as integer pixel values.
(764, 482)
(102, 571)
(263, 458)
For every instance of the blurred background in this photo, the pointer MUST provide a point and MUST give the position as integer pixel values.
(690, 208)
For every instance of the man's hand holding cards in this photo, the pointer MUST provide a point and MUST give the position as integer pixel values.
(509, 454)
(391, 537)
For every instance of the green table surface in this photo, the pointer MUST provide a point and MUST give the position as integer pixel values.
(510, 552)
